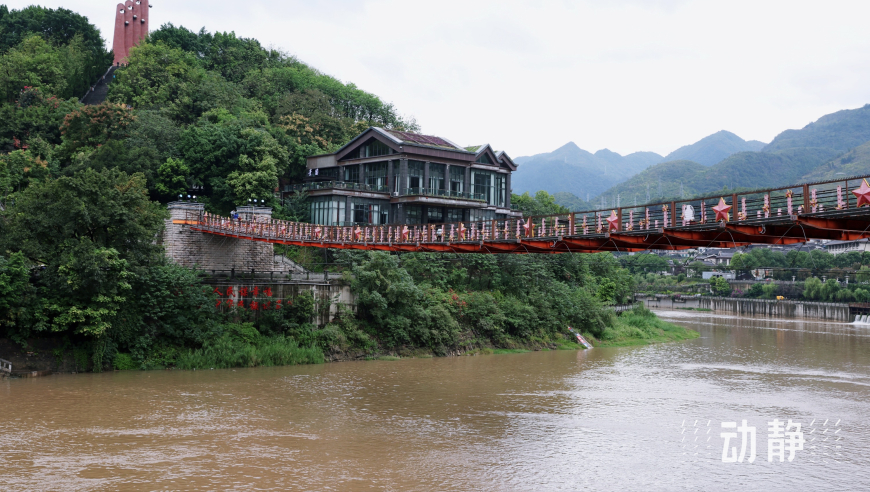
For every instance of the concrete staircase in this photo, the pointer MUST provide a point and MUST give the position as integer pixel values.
(100, 90)
(288, 264)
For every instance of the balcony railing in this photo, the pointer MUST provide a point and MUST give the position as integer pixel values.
(349, 185)
(443, 193)
(333, 185)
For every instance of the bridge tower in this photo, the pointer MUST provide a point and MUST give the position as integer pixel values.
(211, 252)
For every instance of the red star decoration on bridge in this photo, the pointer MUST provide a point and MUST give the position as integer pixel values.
(722, 210)
(863, 193)
(612, 221)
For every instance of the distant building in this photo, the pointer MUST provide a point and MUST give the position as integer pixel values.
(716, 258)
(725, 275)
(837, 247)
(394, 177)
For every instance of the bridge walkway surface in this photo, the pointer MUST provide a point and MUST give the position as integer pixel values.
(826, 210)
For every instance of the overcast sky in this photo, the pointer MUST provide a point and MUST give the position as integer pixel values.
(530, 76)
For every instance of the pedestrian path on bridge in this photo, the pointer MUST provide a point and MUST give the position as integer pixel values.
(833, 210)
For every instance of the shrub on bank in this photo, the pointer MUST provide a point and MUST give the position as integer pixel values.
(233, 351)
(640, 326)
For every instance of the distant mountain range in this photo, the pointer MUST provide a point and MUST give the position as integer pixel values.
(572, 169)
(835, 145)
(713, 148)
(812, 153)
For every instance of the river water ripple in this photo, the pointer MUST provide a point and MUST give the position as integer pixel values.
(635, 418)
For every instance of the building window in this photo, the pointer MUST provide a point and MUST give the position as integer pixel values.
(457, 179)
(351, 173)
(481, 182)
(491, 187)
(484, 159)
(374, 148)
(436, 176)
(435, 215)
(413, 214)
(397, 174)
(326, 210)
(500, 190)
(376, 175)
(415, 174)
(477, 215)
(328, 173)
(454, 215)
(368, 211)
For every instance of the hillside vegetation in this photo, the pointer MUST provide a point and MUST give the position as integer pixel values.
(853, 163)
(80, 207)
(840, 131)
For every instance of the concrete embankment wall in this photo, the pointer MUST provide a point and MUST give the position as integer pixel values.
(778, 309)
(758, 307)
(332, 292)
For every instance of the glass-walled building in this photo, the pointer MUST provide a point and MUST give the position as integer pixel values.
(393, 177)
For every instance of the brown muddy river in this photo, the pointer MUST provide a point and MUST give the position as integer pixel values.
(638, 418)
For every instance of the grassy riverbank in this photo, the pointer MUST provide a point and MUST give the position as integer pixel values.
(640, 326)
(242, 345)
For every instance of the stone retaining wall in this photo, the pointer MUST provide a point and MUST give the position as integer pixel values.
(211, 252)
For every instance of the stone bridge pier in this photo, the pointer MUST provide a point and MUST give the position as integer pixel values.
(212, 252)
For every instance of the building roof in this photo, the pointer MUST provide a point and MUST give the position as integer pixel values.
(834, 243)
(426, 140)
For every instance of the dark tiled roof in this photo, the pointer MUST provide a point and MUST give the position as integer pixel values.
(416, 138)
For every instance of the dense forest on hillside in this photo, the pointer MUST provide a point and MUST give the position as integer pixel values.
(839, 131)
(81, 201)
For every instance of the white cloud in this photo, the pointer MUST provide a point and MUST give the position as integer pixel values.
(527, 76)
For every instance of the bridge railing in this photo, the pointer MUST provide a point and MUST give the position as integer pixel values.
(801, 199)
(807, 199)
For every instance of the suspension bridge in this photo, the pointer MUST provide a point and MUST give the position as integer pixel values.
(832, 210)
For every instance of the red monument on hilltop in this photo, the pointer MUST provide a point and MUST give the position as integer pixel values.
(131, 27)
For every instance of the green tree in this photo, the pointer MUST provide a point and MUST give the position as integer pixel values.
(395, 309)
(756, 291)
(541, 204)
(33, 63)
(172, 178)
(769, 290)
(92, 232)
(644, 263)
(89, 127)
(16, 295)
(813, 289)
(720, 286)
